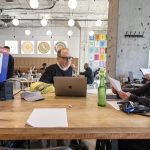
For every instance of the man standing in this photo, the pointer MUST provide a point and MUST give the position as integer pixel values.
(10, 69)
(88, 73)
(61, 68)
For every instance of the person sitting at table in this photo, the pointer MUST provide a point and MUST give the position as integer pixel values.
(74, 70)
(61, 68)
(43, 68)
(142, 96)
(88, 73)
(10, 69)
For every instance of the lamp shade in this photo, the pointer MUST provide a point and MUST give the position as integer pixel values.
(98, 23)
(15, 22)
(72, 4)
(34, 4)
(71, 22)
(44, 22)
(91, 33)
(69, 33)
(49, 32)
(27, 32)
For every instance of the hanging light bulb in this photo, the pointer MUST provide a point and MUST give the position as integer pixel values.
(91, 33)
(71, 22)
(44, 22)
(15, 22)
(49, 32)
(27, 32)
(34, 4)
(72, 4)
(69, 33)
(98, 23)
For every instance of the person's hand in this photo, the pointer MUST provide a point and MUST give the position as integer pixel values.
(124, 95)
(147, 76)
(113, 90)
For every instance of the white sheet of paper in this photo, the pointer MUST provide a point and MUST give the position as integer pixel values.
(114, 104)
(48, 117)
(115, 83)
(145, 70)
(92, 91)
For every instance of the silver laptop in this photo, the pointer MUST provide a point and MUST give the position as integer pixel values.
(70, 86)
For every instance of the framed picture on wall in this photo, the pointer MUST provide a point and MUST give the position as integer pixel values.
(27, 47)
(43, 47)
(58, 45)
(13, 46)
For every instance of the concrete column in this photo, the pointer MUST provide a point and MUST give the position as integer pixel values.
(112, 37)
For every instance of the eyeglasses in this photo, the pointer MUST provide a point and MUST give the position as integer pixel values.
(66, 58)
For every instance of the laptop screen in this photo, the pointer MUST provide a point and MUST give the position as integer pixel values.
(70, 86)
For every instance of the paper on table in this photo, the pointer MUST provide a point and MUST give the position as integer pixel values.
(92, 91)
(115, 83)
(114, 104)
(48, 117)
(145, 70)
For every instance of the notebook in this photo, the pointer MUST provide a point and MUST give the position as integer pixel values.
(70, 86)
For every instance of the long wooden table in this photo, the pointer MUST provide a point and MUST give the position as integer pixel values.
(86, 120)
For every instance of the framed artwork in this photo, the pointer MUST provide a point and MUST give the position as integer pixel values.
(59, 45)
(27, 47)
(43, 47)
(13, 46)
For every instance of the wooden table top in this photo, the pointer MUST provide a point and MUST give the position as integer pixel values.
(86, 120)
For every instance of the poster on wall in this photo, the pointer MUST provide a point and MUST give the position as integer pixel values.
(13, 46)
(59, 45)
(27, 47)
(97, 51)
(43, 47)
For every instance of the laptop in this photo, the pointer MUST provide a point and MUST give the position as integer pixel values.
(70, 86)
(131, 79)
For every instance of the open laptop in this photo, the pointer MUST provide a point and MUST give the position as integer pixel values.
(70, 86)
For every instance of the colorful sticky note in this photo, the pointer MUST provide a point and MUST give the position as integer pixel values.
(96, 43)
(102, 64)
(97, 37)
(103, 44)
(96, 50)
(102, 57)
(91, 43)
(91, 57)
(91, 49)
(91, 37)
(96, 57)
(102, 50)
(102, 36)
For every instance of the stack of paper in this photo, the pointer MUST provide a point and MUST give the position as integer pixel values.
(115, 83)
(145, 70)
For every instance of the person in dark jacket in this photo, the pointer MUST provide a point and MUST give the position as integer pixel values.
(10, 69)
(142, 96)
(88, 73)
(61, 68)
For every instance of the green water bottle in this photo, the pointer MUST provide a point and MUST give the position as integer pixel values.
(102, 90)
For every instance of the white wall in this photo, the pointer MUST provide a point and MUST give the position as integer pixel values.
(132, 53)
(39, 34)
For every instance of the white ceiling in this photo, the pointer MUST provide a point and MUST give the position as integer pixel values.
(56, 11)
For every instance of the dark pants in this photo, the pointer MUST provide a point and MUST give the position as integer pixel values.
(134, 144)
